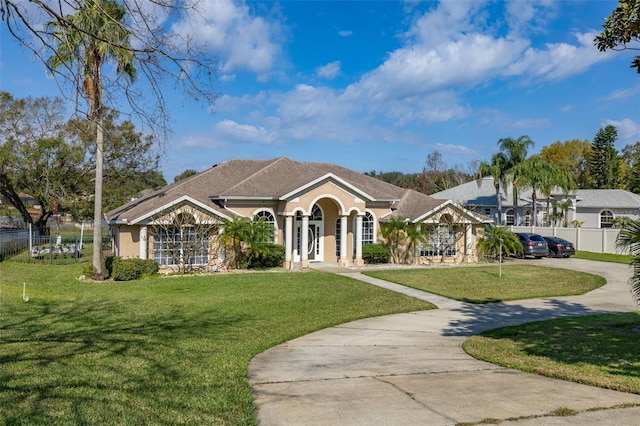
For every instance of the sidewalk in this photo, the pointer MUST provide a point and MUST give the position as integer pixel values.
(410, 368)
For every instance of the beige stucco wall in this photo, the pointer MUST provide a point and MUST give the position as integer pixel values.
(128, 241)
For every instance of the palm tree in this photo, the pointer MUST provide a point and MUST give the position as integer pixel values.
(89, 39)
(496, 237)
(393, 233)
(564, 207)
(629, 238)
(234, 234)
(539, 175)
(515, 152)
(245, 238)
(416, 235)
(497, 170)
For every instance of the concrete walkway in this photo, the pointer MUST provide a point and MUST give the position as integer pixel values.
(409, 369)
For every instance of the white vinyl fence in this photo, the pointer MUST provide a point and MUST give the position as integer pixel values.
(598, 240)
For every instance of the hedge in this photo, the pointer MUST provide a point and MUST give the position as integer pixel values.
(132, 269)
(375, 253)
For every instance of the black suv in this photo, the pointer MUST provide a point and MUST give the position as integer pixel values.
(532, 245)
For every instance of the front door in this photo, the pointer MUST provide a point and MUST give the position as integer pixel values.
(315, 242)
(311, 249)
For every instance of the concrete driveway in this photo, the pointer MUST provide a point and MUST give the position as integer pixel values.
(409, 369)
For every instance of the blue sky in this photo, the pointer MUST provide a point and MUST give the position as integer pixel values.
(378, 85)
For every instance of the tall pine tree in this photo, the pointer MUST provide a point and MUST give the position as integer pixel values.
(604, 160)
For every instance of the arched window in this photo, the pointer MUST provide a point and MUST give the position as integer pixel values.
(368, 231)
(606, 219)
(316, 213)
(269, 218)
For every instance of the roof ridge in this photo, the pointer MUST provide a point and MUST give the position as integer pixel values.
(269, 164)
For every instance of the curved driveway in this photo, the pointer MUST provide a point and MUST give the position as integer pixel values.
(409, 369)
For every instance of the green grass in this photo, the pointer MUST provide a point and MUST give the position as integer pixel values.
(160, 350)
(604, 257)
(484, 285)
(600, 350)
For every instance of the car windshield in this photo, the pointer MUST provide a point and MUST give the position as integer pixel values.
(536, 238)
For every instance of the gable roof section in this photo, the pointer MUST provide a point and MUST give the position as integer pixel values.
(185, 199)
(418, 207)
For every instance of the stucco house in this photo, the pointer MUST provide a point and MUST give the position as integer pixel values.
(319, 211)
(591, 208)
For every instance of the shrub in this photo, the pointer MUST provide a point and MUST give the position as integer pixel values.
(265, 256)
(375, 253)
(132, 269)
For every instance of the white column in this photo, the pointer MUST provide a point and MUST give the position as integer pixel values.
(304, 249)
(343, 239)
(288, 243)
(468, 241)
(144, 244)
(358, 240)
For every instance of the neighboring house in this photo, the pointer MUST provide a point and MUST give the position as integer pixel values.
(319, 211)
(593, 208)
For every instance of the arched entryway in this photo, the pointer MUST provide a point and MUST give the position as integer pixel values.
(314, 247)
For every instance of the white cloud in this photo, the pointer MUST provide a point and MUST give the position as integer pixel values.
(455, 149)
(243, 132)
(345, 33)
(628, 130)
(447, 52)
(228, 28)
(558, 60)
(530, 16)
(623, 93)
(330, 70)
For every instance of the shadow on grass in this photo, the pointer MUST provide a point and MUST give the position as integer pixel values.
(606, 341)
(478, 318)
(98, 361)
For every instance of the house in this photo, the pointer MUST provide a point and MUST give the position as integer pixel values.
(592, 208)
(319, 212)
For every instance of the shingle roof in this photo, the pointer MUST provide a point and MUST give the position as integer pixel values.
(268, 179)
(474, 193)
(483, 193)
(414, 204)
(612, 198)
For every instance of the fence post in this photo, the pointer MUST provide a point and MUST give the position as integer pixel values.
(30, 239)
(50, 249)
(75, 249)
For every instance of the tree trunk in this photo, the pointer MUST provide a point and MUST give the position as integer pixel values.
(99, 268)
(534, 219)
(515, 206)
(499, 200)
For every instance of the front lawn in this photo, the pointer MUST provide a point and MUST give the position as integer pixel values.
(157, 351)
(604, 257)
(599, 350)
(483, 284)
